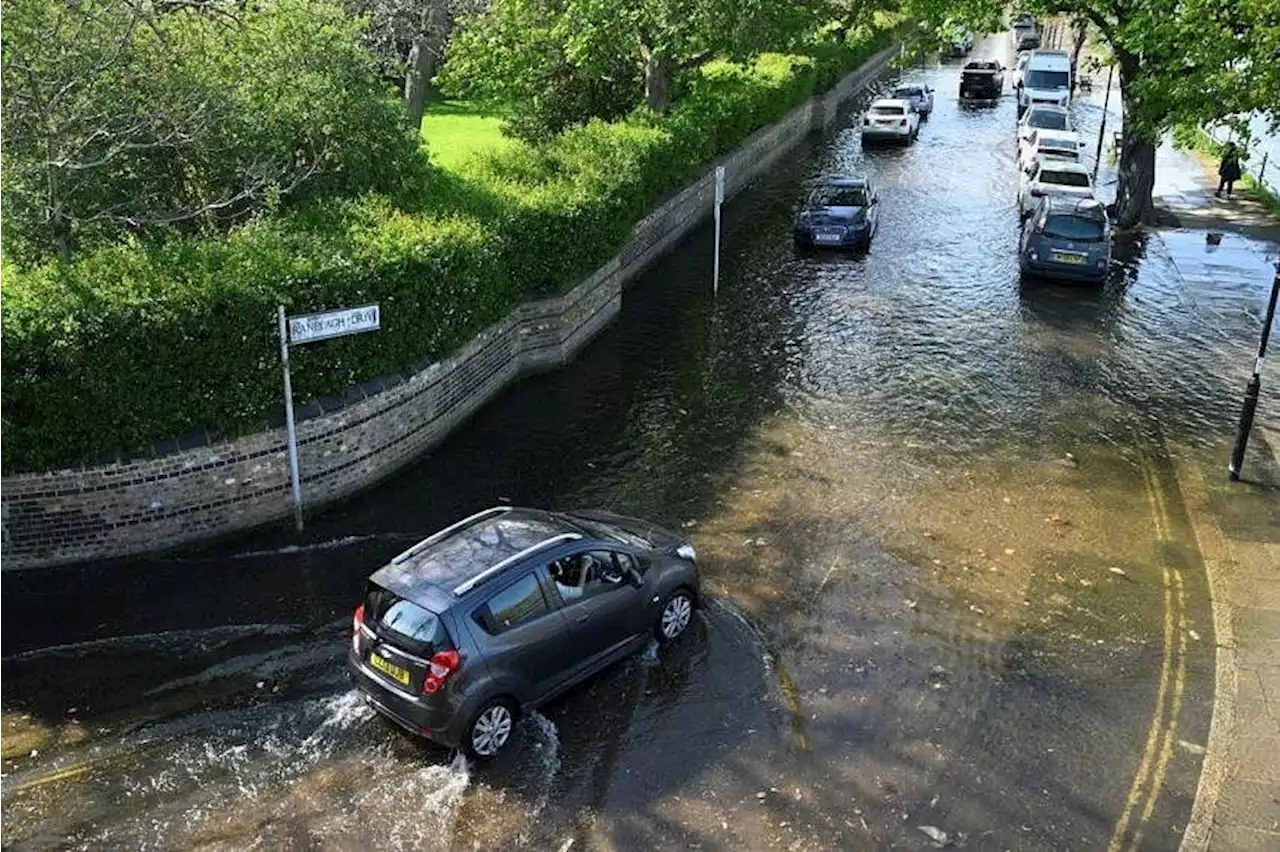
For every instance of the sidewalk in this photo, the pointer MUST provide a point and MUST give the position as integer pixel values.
(1185, 183)
(1237, 527)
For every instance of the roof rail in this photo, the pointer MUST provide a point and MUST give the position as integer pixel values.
(467, 585)
(449, 530)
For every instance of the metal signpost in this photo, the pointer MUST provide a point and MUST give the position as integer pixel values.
(715, 274)
(1255, 385)
(308, 328)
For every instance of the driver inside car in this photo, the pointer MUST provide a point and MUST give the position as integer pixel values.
(568, 574)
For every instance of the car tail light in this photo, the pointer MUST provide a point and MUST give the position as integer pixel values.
(1034, 255)
(442, 665)
(902, 123)
(1102, 264)
(357, 627)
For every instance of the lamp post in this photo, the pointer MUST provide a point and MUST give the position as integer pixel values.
(1106, 101)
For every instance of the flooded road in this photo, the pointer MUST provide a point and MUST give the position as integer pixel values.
(954, 583)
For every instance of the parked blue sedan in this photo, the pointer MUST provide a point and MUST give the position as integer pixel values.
(840, 212)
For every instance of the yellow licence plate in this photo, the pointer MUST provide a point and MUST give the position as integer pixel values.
(389, 668)
(1067, 258)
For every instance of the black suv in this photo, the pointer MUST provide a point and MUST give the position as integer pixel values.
(508, 608)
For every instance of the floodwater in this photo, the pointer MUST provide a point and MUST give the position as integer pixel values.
(953, 585)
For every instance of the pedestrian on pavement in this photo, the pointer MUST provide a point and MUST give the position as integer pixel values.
(1228, 168)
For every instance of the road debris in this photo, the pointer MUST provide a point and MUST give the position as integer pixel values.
(939, 837)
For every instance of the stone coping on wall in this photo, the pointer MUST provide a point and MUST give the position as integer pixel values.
(196, 487)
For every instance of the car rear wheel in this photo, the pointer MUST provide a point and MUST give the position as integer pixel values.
(490, 730)
(677, 611)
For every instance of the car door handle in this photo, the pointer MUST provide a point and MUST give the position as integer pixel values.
(583, 619)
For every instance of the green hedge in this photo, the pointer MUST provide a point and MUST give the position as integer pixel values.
(134, 344)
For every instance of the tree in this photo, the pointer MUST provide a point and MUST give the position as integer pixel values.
(126, 115)
(1178, 61)
(410, 36)
(629, 51)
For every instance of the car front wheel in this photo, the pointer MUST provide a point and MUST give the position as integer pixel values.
(490, 730)
(675, 615)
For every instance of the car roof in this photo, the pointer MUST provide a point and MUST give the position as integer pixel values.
(432, 570)
(1060, 204)
(890, 102)
(909, 87)
(858, 181)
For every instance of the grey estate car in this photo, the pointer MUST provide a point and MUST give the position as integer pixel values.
(506, 609)
(1068, 238)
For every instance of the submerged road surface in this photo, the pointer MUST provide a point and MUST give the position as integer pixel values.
(956, 596)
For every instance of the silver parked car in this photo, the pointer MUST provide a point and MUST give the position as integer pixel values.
(1068, 238)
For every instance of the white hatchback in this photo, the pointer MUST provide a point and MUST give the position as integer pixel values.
(891, 119)
(1052, 177)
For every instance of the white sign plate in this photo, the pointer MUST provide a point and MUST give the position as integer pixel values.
(309, 328)
(719, 184)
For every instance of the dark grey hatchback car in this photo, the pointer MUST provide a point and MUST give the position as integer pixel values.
(508, 608)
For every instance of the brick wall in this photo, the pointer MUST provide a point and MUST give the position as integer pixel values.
(114, 510)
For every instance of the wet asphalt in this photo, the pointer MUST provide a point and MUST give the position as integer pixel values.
(955, 597)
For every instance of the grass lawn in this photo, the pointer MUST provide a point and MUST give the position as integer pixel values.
(455, 130)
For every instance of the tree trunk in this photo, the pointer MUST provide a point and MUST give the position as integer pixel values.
(1081, 34)
(1137, 170)
(657, 80)
(424, 59)
(417, 80)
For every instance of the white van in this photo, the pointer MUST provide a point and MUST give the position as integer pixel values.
(1047, 80)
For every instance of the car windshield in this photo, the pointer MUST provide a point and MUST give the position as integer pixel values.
(1047, 120)
(1065, 178)
(1040, 79)
(838, 196)
(1084, 229)
(603, 530)
(886, 110)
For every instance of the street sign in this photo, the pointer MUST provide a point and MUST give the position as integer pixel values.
(309, 328)
(719, 184)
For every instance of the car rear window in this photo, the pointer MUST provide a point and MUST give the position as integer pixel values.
(402, 621)
(520, 602)
(1047, 120)
(887, 110)
(1083, 229)
(908, 93)
(1061, 154)
(1064, 178)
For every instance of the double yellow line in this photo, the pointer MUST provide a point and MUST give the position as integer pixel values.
(1163, 730)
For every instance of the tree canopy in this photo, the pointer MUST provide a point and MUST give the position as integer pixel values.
(130, 115)
(555, 62)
